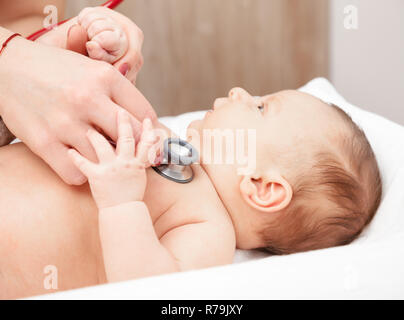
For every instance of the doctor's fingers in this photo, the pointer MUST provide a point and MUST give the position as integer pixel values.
(79, 141)
(131, 63)
(77, 39)
(48, 145)
(56, 156)
(104, 117)
(127, 96)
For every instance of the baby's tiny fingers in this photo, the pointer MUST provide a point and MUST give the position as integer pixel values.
(111, 41)
(88, 16)
(96, 52)
(85, 166)
(146, 142)
(126, 140)
(102, 147)
(101, 25)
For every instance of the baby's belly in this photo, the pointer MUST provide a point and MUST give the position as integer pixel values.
(48, 230)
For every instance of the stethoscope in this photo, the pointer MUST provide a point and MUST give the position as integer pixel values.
(178, 156)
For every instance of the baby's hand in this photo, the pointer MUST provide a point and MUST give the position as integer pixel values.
(107, 39)
(120, 175)
(113, 38)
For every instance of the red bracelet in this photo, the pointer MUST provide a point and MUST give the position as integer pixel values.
(8, 40)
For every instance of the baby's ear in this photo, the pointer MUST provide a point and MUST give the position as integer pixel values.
(269, 193)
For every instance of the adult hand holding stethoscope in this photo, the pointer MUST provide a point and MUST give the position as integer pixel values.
(51, 97)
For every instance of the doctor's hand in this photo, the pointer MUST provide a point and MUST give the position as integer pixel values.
(50, 98)
(120, 175)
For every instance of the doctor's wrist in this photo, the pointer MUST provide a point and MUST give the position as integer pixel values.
(9, 60)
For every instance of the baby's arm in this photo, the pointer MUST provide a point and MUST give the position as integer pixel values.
(200, 244)
(132, 250)
(130, 246)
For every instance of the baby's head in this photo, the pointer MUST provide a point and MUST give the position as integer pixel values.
(316, 183)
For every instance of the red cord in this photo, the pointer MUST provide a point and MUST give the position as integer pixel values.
(111, 4)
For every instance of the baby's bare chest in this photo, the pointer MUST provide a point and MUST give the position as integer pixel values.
(173, 204)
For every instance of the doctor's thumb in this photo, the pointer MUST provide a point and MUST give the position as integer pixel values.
(77, 39)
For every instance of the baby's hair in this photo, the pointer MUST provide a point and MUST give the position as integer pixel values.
(332, 201)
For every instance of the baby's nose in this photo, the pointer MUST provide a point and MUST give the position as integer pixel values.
(239, 95)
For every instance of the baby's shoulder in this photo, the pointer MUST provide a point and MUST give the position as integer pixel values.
(172, 204)
(196, 203)
(200, 223)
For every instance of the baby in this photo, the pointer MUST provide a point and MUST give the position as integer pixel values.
(315, 184)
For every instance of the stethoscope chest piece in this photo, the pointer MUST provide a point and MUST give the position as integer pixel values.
(178, 157)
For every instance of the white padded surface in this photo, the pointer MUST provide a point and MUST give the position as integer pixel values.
(371, 267)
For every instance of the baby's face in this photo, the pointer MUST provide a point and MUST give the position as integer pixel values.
(289, 126)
